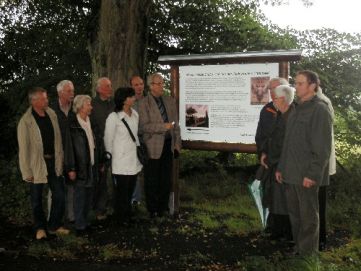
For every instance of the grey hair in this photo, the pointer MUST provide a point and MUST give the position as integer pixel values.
(79, 101)
(60, 86)
(100, 80)
(33, 93)
(285, 91)
(280, 80)
(152, 76)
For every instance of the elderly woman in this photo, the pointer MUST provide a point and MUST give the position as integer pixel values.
(80, 164)
(270, 155)
(118, 140)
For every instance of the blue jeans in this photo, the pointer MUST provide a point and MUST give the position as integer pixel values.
(56, 185)
(137, 194)
(82, 205)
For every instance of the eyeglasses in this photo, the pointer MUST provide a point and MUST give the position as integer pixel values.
(158, 84)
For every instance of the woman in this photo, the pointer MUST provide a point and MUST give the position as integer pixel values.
(119, 143)
(271, 152)
(80, 164)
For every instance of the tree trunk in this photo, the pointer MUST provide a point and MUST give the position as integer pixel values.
(118, 46)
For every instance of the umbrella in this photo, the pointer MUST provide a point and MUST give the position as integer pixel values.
(255, 188)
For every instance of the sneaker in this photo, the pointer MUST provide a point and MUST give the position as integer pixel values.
(60, 231)
(40, 234)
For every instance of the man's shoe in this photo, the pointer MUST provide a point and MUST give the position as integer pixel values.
(60, 231)
(101, 217)
(40, 234)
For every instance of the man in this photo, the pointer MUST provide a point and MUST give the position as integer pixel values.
(268, 114)
(322, 194)
(137, 84)
(266, 123)
(274, 197)
(63, 109)
(41, 161)
(158, 124)
(103, 105)
(303, 166)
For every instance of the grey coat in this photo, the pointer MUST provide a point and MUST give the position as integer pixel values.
(307, 144)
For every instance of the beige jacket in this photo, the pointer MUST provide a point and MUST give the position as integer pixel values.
(151, 125)
(31, 154)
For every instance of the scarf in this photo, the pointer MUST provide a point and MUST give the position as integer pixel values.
(89, 134)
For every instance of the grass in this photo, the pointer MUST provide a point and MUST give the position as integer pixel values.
(218, 217)
(112, 252)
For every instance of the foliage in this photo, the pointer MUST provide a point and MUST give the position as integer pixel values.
(41, 43)
(219, 26)
(14, 193)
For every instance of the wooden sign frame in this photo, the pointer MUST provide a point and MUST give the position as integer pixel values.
(282, 57)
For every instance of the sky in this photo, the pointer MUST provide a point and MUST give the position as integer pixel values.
(344, 16)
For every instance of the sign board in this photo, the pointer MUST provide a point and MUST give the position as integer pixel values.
(220, 95)
(221, 103)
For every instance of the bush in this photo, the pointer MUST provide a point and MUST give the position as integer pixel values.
(14, 193)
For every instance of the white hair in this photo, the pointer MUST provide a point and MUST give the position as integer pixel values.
(285, 91)
(60, 86)
(152, 76)
(79, 101)
(280, 80)
(100, 81)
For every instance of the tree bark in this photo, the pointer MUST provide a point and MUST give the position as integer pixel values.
(118, 45)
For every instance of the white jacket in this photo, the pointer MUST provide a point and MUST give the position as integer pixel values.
(119, 143)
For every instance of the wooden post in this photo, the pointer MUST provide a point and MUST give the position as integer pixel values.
(174, 73)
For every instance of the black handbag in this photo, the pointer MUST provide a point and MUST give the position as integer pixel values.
(142, 151)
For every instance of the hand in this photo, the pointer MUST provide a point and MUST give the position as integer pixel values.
(278, 176)
(263, 160)
(168, 125)
(72, 175)
(102, 168)
(308, 183)
(29, 179)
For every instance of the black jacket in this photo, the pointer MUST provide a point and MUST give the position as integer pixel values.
(79, 158)
(267, 120)
(63, 122)
(100, 112)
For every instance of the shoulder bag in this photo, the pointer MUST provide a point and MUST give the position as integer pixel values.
(142, 151)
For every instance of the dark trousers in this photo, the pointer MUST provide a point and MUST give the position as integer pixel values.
(56, 185)
(157, 181)
(279, 226)
(100, 198)
(302, 204)
(322, 198)
(123, 191)
(82, 205)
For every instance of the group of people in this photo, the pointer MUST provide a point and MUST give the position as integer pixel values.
(295, 145)
(74, 143)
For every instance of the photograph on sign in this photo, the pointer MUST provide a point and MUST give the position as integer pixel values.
(259, 91)
(221, 103)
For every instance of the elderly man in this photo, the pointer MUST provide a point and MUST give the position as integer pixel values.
(158, 123)
(62, 107)
(274, 196)
(303, 166)
(267, 119)
(137, 83)
(268, 114)
(41, 161)
(103, 105)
